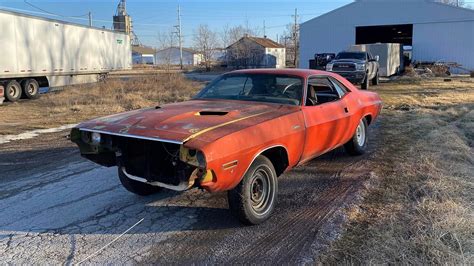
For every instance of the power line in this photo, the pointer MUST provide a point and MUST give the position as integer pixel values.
(34, 6)
(77, 17)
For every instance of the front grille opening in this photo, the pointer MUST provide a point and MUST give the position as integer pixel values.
(153, 160)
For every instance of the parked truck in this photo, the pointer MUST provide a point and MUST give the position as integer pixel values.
(357, 67)
(41, 52)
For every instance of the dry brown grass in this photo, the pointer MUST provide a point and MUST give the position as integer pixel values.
(77, 103)
(421, 208)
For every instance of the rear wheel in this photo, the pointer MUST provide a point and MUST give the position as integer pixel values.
(13, 91)
(375, 80)
(30, 88)
(365, 83)
(358, 144)
(252, 201)
(136, 187)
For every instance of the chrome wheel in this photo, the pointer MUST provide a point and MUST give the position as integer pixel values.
(360, 133)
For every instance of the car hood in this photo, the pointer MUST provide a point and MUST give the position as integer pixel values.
(348, 61)
(206, 120)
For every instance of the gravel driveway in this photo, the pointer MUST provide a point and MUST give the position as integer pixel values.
(56, 207)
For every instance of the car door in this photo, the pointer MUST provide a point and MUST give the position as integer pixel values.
(326, 117)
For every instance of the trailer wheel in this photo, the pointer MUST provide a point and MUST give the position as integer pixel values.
(13, 91)
(30, 88)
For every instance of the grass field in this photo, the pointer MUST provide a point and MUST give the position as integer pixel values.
(78, 103)
(419, 208)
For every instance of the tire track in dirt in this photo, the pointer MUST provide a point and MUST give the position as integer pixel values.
(297, 232)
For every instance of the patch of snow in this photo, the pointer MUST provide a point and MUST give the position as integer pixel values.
(33, 133)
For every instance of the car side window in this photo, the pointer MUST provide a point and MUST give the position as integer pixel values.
(341, 89)
(321, 90)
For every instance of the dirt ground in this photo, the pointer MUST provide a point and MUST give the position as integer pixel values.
(56, 207)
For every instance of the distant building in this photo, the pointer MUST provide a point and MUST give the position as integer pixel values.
(428, 30)
(254, 52)
(171, 56)
(143, 55)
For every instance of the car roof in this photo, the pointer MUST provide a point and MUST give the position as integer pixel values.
(304, 73)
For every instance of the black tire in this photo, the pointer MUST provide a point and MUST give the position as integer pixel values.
(375, 80)
(30, 88)
(136, 187)
(13, 91)
(365, 83)
(358, 144)
(252, 201)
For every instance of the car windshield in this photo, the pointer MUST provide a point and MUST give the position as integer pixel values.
(282, 89)
(348, 55)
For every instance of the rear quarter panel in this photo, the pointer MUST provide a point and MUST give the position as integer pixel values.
(361, 103)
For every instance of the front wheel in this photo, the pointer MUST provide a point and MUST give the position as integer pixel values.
(252, 201)
(358, 143)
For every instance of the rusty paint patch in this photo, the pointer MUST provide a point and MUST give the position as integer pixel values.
(221, 125)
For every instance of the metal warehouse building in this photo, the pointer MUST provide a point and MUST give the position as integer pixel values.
(435, 31)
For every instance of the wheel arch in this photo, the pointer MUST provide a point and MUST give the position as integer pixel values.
(368, 118)
(278, 156)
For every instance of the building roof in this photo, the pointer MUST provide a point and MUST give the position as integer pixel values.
(142, 49)
(189, 50)
(265, 42)
(385, 12)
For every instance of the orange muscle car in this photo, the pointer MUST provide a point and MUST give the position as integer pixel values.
(238, 134)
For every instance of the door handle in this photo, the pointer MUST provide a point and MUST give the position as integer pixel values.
(346, 110)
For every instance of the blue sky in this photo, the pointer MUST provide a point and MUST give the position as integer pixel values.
(151, 17)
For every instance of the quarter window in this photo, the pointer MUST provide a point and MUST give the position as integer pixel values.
(321, 90)
(341, 89)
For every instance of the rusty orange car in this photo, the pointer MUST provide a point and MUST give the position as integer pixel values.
(238, 134)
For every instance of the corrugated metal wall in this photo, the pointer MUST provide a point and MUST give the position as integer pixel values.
(335, 31)
(452, 42)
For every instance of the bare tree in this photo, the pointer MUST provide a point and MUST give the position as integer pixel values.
(245, 53)
(224, 36)
(164, 56)
(453, 2)
(205, 42)
(290, 40)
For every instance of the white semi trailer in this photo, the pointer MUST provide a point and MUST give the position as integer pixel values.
(40, 52)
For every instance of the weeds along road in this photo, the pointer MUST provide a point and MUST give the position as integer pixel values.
(56, 207)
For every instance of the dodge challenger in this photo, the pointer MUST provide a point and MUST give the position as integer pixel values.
(238, 134)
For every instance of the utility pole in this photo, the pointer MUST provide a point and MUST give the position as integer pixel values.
(90, 19)
(264, 33)
(180, 39)
(295, 38)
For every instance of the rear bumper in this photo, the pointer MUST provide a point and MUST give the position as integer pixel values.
(355, 77)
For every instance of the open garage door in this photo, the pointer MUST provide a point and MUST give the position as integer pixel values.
(385, 34)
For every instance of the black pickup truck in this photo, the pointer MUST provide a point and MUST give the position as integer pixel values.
(357, 67)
